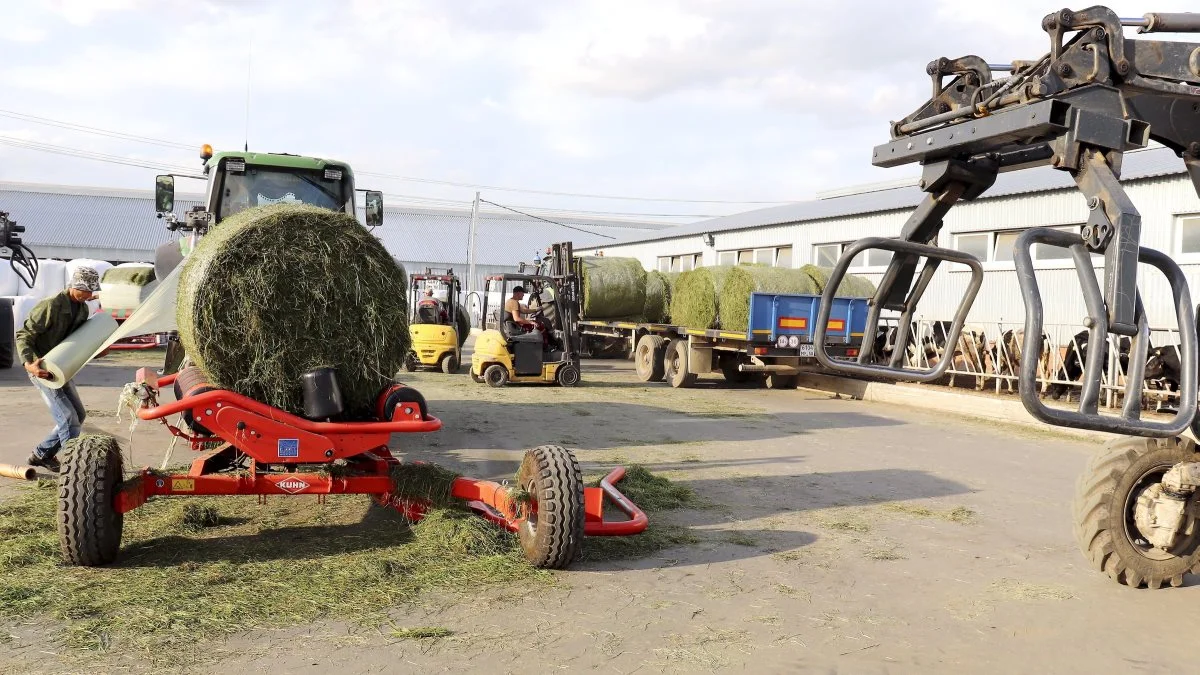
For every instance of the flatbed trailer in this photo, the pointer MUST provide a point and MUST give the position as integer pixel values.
(776, 347)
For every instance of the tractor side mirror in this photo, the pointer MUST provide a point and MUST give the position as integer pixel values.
(374, 208)
(164, 194)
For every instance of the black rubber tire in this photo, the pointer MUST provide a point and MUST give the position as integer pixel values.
(552, 537)
(412, 363)
(89, 527)
(729, 369)
(1102, 518)
(567, 375)
(676, 359)
(449, 364)
(8, 345)
(495, 375)
(648, 358)
(781, 381)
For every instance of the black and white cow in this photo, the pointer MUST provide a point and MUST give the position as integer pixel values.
(1076, 358)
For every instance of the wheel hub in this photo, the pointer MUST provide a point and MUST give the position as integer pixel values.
(1160, 518)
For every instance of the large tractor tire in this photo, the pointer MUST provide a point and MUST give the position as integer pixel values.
(677, 373)
(551, 533)
(89, 526)
(648, 358)
(1106, 497)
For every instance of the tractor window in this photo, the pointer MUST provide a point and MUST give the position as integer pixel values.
(259, 187)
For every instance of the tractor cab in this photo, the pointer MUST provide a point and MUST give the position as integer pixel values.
(437, 323)
(544, 348)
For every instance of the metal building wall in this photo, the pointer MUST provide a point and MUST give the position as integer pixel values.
(1161, 201)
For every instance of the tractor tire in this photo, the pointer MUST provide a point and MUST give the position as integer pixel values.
(729, 369)
(552, 534)
(781, 381)
(1105, 498)
(449, 364)
(89, 526)
(496, 375)
(412, 363)
(677, 374)
(567, 375)
(648, 359)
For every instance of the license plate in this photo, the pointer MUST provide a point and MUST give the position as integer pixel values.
(808, 350)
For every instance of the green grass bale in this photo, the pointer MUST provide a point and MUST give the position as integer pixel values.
(733, 303)
(658, 298)
(694, 297)
(277, 291)
(612, 287)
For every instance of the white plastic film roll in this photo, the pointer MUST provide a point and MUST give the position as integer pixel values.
(73, 353)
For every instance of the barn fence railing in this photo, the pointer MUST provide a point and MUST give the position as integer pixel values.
(987, 357)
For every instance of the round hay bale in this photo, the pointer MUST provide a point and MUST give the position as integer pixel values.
(694, 297)
(277, 291)
(852, 286)
(658, 298)
(733, 303)
(612, 287)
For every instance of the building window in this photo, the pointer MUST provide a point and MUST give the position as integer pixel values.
(1189, 234)
(773, 256)
(827, 255)
(998, 246)
(680, 263)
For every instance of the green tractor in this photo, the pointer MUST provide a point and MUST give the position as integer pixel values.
(240, 180)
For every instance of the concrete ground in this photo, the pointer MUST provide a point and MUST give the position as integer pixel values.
(843, 536)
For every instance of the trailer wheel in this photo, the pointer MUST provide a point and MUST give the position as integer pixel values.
(649, 358)
(729, 369)
(552, 533)
(775, 381)
(677, 372)
(496, 375)
(89, 526)
(1106, 500)
(449, 364)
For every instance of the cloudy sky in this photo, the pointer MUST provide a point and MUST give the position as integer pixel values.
(732, 100)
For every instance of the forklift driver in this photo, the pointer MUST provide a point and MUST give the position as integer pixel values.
(515, 322)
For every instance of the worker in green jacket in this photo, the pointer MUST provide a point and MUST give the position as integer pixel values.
(49, 323)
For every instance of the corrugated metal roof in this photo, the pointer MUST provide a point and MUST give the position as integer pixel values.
(1138, 165)
(75, 218)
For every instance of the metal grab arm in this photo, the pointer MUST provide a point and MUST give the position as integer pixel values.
(934, 257)
(1088, 416)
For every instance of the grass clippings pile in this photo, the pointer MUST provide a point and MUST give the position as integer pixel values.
(195, 570)
(182, 581)
(613, 288)
(733, 301)
(277, 291)
(658, 298)
(653, 494)
(694, 297)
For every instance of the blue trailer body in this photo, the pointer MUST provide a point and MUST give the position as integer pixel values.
(776, 315)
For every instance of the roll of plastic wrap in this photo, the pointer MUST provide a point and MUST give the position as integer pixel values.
(156, 315)
(73, 353)
(9, 283)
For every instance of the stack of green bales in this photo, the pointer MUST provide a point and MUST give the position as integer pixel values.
(276, 291)
(619, 289)
(719, 297)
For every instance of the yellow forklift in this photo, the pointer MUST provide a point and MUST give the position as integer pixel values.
(438, 325)
(505, 352)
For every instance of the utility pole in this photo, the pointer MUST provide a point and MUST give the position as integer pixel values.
(471, 245)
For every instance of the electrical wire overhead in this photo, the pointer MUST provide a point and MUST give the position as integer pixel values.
(547, 220)
(95, 156)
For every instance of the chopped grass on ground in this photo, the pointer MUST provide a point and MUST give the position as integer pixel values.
(959, 514)
(259, 567)
(847, 525)
(199, 569)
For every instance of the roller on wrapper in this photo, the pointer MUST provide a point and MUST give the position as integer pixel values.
(18, 471)
(73, 353)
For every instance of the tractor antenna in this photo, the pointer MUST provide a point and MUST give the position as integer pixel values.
(249, 71)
